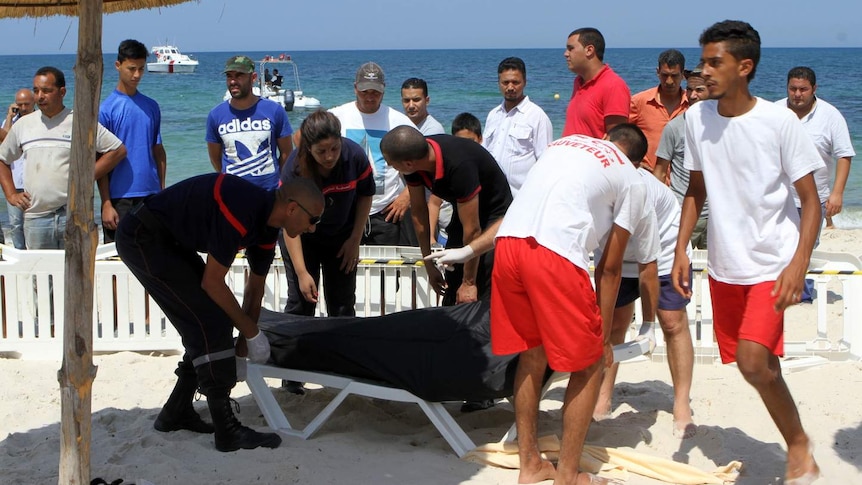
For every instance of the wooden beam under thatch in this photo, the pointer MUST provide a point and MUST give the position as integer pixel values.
(71, 8)
(77, 372)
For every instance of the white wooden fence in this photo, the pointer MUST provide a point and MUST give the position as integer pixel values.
(126, 318)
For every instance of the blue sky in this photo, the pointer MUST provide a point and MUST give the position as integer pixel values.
(261, 25)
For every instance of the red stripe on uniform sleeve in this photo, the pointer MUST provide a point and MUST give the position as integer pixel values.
(474, 194)
(348, 186)
(365, 174)
(225, 210)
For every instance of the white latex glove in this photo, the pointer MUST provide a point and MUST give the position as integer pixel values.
(241, 369)
(258, 348)
(448, 257)
(647, 331)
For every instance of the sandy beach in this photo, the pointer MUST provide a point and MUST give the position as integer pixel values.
(376, 442)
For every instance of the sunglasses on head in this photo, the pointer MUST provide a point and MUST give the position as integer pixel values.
(312, 219)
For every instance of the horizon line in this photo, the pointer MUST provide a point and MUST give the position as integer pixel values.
(436, 49)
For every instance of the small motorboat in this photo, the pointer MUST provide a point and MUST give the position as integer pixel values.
(169, 59)
(270, 86)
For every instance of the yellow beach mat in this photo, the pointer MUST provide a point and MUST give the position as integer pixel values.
(614, 463)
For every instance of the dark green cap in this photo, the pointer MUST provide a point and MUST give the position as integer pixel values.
(239, 64)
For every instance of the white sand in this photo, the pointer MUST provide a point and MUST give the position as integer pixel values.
(374, 442)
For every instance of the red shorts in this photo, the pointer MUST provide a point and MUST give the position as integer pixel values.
(745, 312)
(540, 298)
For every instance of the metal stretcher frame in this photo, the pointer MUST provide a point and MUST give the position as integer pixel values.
(436, 412)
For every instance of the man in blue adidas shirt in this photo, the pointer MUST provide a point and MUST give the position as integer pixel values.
(248, 136)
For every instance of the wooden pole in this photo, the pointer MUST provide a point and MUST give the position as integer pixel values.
(77, 373)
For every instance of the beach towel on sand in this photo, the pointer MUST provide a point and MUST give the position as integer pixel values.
(438, 354)
(614, 463)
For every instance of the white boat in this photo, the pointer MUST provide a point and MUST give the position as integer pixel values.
(290, 96)
(169, 59)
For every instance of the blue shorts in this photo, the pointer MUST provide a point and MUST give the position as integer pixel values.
(668, 298)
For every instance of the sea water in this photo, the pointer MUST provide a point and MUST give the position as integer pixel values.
(458, 80)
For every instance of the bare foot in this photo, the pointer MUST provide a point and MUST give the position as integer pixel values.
(807, 479)
(545, 471)
(684, 431)
(602, 411)
(804, 470)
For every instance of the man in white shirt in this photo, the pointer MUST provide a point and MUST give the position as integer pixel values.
(647, 276)
(45, 138)
(828, 129)
(415, 99)
(746, 152)
(582, 195)
(517, 131)
(365, 121)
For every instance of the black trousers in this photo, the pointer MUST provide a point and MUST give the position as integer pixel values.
(172, 275)
(339, 288)
(123, 207)
(379, 232)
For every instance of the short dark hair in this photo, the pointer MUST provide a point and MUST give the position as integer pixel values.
(131, 49)
(671, 58)
(467, 121)
(403, 143)
(742, 41)
(802, 72)
(591, 36)
(630, 139)
(59, 77)
(416, 83)
(299, 188)
(512, 64)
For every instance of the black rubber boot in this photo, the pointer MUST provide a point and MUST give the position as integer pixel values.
(178, 413)
(230, 434)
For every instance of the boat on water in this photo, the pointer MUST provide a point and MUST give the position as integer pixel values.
(169, 59)
(271, 85)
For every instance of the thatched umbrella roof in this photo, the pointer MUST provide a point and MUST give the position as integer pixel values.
(69, 8)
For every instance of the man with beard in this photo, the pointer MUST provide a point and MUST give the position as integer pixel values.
(518, 130)
(248, 136)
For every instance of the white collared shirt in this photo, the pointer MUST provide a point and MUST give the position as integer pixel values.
(517, 139)
(828, 129)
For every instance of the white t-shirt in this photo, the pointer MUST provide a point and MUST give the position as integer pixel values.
(667, 213)
(367, 130)
(749, 163)
(574, 194)
(47, 144)
(430, 126)
(828, 129)
(646, 243)
(517, 139)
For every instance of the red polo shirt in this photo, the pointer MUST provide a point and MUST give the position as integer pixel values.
(604, 95)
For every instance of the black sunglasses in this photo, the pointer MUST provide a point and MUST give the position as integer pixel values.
(312, 219)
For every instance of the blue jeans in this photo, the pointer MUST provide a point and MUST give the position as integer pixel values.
(16, 221)
(46, 232)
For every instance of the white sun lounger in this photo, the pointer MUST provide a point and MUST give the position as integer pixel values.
(436, 412)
